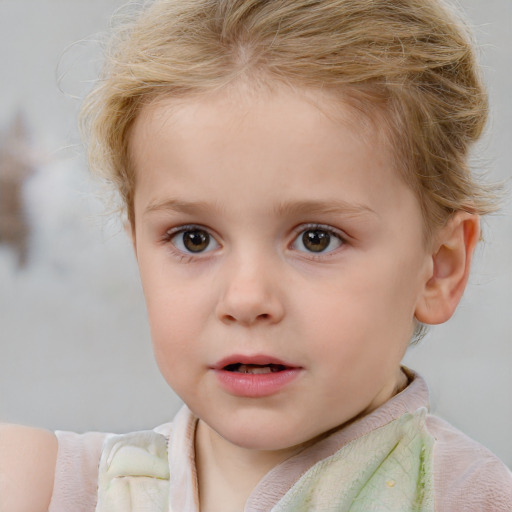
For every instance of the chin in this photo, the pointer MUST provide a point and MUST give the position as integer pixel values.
(263, 442)
(262, 437)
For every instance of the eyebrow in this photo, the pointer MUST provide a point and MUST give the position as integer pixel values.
(288, 208)
(177, 206)
(313, 207)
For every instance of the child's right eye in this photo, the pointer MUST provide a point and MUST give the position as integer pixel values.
(192, 240)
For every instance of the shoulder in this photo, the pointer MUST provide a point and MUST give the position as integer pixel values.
(76, 471)
(27, 468)
(467, 476)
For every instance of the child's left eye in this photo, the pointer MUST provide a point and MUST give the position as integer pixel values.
(317, 240)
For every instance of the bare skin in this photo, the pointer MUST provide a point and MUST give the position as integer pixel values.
(27, 468)
(225, 477)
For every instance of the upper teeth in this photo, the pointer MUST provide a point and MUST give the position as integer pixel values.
(250, 368)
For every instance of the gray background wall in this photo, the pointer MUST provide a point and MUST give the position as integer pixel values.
(74, 343)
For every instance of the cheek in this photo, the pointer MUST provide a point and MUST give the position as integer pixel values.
(169, 318)
(174, 351)
(170, 302)
(178, 316)
(174, 322)
(366, 313)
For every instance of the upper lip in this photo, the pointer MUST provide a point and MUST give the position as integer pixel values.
(256, 359)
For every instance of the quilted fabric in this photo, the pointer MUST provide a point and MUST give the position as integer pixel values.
(134, 473)
(387, 470)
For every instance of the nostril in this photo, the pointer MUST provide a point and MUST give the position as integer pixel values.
(249, 311)
(233, 319)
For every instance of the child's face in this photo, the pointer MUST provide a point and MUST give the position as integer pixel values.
(269, 234)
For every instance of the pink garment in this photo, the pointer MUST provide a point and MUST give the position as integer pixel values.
(467, 476)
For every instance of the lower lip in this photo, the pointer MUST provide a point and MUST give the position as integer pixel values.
(256, 385)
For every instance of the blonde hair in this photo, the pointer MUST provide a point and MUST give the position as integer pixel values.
(411, 63)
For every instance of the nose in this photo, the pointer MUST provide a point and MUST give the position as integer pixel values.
(251, 295)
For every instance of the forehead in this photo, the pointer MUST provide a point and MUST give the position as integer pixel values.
(242, 112)
(242, 102)
(284, 143)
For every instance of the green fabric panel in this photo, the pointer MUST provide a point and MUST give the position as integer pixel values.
(388, 470)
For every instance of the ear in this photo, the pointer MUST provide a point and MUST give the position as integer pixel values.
(451, 262)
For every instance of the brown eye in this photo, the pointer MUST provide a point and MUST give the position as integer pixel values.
(196, 241)
(193, 240)
(317, 240)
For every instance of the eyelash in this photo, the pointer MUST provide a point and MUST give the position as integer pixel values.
(183, 255)
(186, 256)
(332, 232)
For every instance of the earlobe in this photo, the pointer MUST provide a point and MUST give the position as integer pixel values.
(451, 263)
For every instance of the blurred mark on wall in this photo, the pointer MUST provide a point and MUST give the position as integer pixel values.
(15, 170)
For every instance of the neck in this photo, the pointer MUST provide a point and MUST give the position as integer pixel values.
(227, 473)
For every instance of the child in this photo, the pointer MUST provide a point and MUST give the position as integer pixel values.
(295, 178)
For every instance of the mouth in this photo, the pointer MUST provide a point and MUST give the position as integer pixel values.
(255, 369)
(253, 364)
(255, 376)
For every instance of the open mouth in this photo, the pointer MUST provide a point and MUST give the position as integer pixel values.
(255, 376)
(255, 368)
